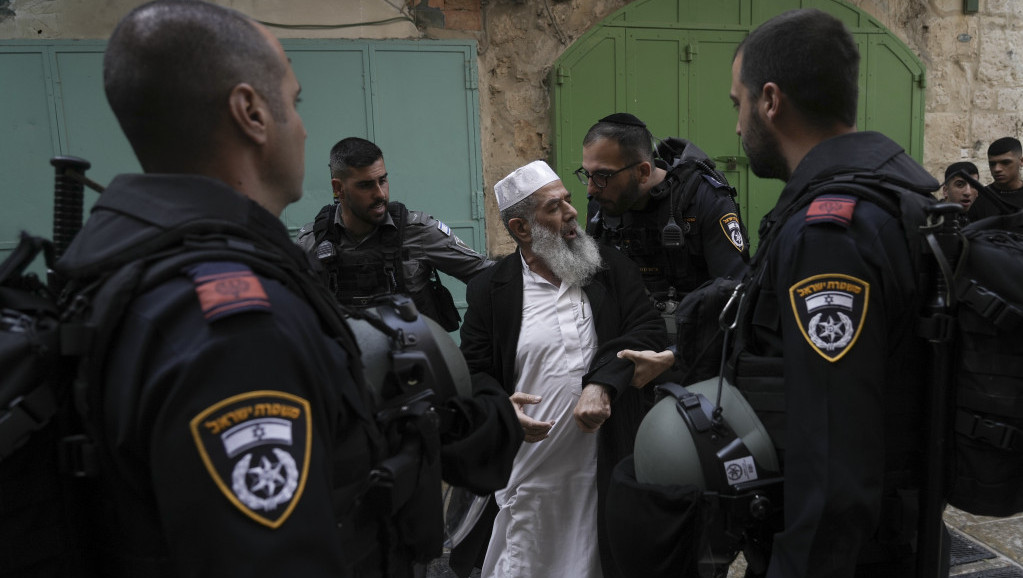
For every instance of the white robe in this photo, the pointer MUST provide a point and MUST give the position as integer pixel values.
(547, 523)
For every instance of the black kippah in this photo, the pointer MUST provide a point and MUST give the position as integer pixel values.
(623, 118)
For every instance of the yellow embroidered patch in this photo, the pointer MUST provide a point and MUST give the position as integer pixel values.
(256, 448)
(830, 310)
(733, 230)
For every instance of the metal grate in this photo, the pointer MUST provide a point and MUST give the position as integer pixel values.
(1006, 572)
(965, 551)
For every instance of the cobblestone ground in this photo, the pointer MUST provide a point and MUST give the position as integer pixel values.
(982, 547)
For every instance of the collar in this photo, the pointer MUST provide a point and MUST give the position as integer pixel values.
(866, 150)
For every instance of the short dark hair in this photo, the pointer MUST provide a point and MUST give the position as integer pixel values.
(352, 152)
(965, 166)
(812, 57)
(168, 70)
(634, 141)
(1006, 144)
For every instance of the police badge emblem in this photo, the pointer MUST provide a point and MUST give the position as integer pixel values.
(830, 310)
(733, 230)
(256, 448)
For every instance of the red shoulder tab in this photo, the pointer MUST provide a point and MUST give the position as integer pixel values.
(224, 289)
(837, 209)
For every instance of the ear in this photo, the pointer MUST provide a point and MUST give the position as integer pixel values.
(249, 112)
(520, 230)
(770, 101)
(339, 189)
(645, 170)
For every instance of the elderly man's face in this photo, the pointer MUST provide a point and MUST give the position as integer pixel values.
(556, 239)
(554, 210)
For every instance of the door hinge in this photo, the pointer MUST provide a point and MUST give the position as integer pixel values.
(471, 81)
(563, 75)
(689, 53)
(732, 162)
(478, 205)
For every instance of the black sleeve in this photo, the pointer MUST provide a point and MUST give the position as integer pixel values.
(725, 248)
(836, 390)
(182, 394)
(478, 452)
(637, 324)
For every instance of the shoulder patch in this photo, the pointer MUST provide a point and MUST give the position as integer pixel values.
(444, 228)
(836, 209)
(225, 288)
(830, 310)
(733, 230)
(256, 448)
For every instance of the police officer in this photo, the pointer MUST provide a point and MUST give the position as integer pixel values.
(232, 435)
(826, 351)
(361, 244)
(673, 215)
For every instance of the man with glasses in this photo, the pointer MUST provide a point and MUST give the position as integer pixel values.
(671, 213)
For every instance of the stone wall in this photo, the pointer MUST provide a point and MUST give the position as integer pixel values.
(974, 77)
(974, 68)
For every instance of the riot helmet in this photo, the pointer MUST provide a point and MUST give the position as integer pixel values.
(406, 355)
(720, 448)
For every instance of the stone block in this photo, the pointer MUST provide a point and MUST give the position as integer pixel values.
(468, 5)
(462, 20)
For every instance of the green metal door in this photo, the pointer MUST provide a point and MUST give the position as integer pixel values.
(669, 63)
(418, 100)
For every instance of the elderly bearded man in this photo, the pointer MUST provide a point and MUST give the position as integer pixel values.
(546, 322)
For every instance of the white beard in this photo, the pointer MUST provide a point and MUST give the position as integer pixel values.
(574, 262)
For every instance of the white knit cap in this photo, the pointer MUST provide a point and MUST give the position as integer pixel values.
(522, 182)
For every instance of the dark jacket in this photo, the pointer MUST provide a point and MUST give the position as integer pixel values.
(624, 319)
(828, 358)
(185, 356)
(194, 355)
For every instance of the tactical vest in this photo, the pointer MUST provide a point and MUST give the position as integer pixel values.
(359, 276)
(669, 257)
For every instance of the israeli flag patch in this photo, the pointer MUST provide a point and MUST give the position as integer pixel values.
(444, 228)
(830, 310)
(256, 447)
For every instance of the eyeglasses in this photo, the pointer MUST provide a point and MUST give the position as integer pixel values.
(600, 178)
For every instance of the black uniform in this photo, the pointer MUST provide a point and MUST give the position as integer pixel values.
(234, 439)
(714, 237)
(828, 358)
(984, 207)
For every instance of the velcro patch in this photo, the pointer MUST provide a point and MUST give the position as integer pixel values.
(837, 209)
(713, 181)
(227, 288)
(733, 230)
(256, 448)
(444, 228)
(830, 310)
